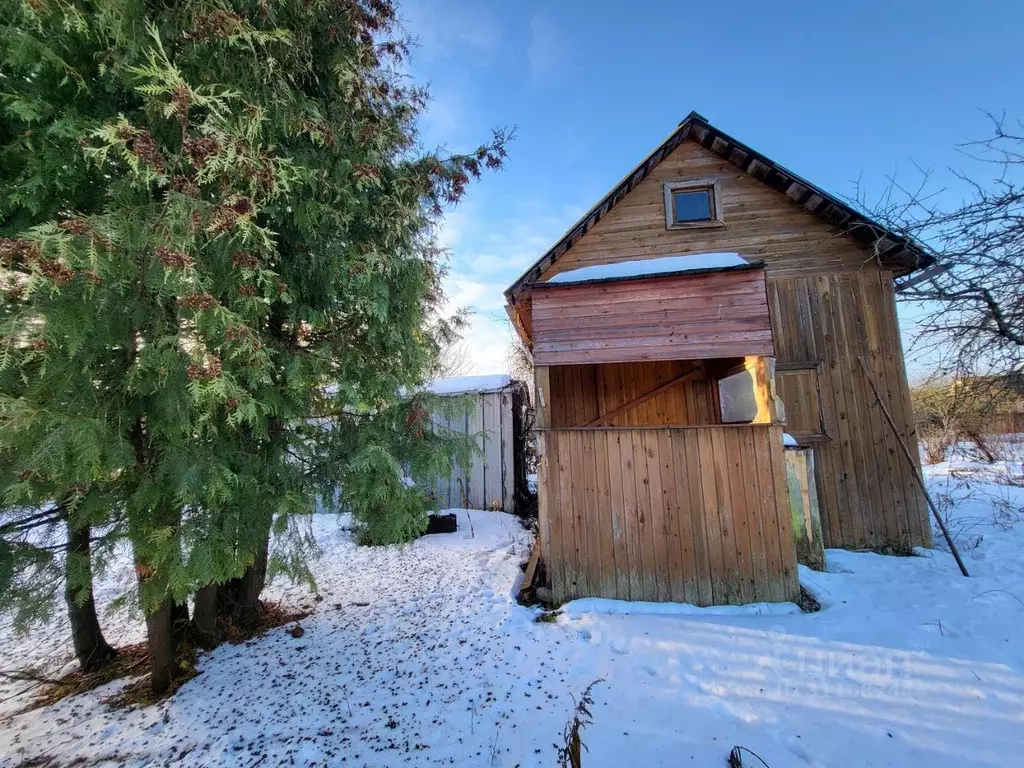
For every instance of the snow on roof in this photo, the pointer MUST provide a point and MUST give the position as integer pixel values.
(641, 268)
(464, 384)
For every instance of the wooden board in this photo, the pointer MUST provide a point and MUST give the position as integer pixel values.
(685, 514)
(579, 394)
(681, 317)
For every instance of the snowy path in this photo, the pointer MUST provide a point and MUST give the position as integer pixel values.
(419, 656)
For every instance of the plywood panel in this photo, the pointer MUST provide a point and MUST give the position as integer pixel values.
(684, 317)
(685, 514)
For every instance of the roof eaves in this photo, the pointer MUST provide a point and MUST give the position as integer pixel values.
(811, 197)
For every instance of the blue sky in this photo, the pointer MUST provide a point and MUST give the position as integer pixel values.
(835, 92)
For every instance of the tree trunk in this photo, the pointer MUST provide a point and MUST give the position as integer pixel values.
(179, 623)
(982, 445)
(247, 610)
(161, 647)
(91, 648)
(204, 617)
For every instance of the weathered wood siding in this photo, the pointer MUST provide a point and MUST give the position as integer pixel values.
(682, 317)
(696, 515)
(582, 393)
(866, 488)
(759, 223)
(490, 479)
(829, 302)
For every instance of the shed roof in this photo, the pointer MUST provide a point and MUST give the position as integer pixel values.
(902, 253)
(462, 385)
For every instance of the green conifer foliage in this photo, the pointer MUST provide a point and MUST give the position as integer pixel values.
(219, 278)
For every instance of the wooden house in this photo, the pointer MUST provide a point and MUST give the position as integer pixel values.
(663, 393)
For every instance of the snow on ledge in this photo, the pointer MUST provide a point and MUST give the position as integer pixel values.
(788, 440)
(606, 606)
(462, 385)
(643, 267)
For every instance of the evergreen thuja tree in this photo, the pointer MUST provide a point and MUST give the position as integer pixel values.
(219, 280)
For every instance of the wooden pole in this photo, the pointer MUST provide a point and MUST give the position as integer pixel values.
(914, 468)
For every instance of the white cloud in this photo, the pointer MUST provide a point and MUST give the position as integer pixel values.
(546, 50)
(488, 254)
(488, 340)
(446, 29)
(487, 336)
(465, 291)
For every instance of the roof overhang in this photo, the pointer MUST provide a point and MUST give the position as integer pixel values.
(902, 254)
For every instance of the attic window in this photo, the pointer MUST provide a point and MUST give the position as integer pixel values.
(692, 204)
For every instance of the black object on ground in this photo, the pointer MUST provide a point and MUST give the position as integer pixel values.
(443, 524)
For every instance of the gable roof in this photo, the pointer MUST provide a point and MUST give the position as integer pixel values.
(902, 253)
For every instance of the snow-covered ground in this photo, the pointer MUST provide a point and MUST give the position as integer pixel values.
(420, 656)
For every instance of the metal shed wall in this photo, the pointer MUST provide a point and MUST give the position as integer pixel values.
(492, 475)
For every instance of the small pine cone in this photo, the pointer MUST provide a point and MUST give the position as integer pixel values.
(75, 226)
(143, 146)
(218, 24)
(185, 185)
(56, 271)
(223, 220)
(18, 251)
(180, 100)
(201, 301)
(244, 261)
(200, 150)
(364, 171)
(242, 206)
(236, 332)
(247, 290)
(173, 259)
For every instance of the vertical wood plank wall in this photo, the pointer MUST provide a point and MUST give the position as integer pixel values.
(696, 514)
(866, 488)
(582, 393)
(491, 476)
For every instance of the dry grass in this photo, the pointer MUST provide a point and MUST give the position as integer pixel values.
(130, 660)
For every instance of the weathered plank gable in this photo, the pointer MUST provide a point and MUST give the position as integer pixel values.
(760, 223)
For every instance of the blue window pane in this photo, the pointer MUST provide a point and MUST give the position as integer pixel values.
(692, 206)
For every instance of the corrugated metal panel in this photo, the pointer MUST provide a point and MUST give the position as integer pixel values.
(491, 477)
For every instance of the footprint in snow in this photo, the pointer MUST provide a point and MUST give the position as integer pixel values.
(620, 647)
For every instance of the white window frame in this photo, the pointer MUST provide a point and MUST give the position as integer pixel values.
(710, 186)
